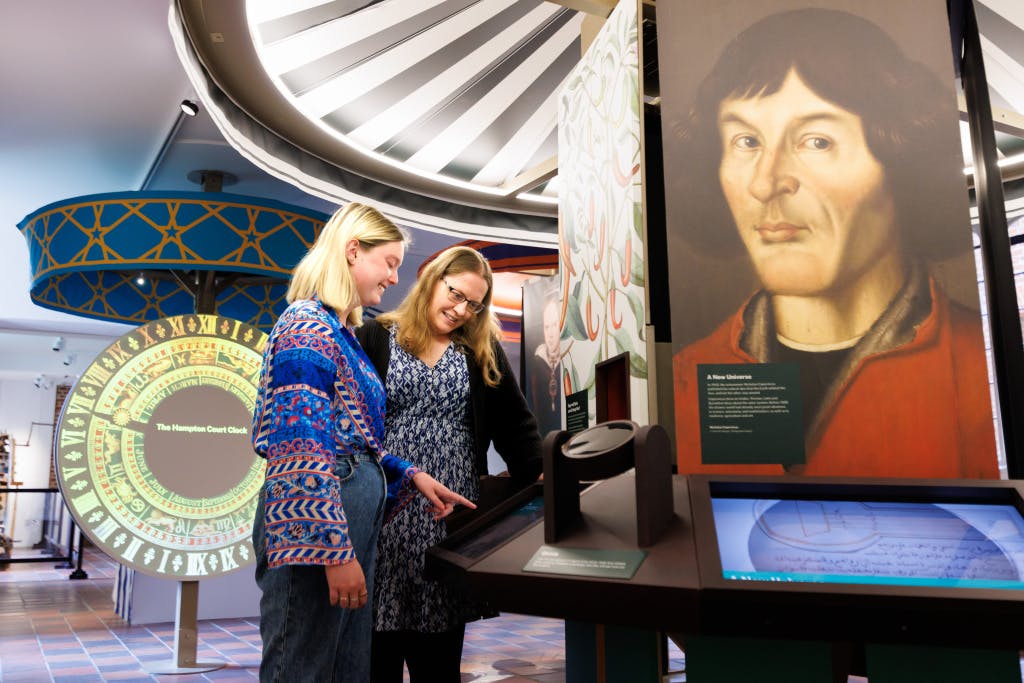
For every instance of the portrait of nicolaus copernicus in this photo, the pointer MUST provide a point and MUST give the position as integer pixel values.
(809, 148)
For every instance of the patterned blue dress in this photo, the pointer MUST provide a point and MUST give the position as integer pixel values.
(428, 424)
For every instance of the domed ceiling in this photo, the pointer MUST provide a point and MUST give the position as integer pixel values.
(444, 111)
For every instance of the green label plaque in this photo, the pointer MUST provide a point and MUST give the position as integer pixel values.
(607, 564)
(576, 418)
(751, 414)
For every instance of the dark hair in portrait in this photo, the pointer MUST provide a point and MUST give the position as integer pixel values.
(852, 63)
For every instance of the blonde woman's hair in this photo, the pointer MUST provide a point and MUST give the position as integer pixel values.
(477, 335)
(324, 272)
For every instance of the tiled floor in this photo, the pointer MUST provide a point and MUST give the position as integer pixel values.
(54, 629)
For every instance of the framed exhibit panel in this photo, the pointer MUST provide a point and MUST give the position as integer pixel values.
(825, 313)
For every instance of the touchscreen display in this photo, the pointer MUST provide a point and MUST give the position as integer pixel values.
(915, 544)
(488, 538)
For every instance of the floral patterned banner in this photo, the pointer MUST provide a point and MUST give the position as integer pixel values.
(600, 214)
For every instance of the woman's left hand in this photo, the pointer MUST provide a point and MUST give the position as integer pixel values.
(442, 499)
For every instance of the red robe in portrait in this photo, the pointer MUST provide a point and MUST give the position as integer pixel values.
(913, 401)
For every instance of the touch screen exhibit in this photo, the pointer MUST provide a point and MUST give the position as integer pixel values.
(499, 531)
(153, 452)
(967, 545)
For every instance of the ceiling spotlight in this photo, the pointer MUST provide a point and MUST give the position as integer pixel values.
(189, 107)
(69, 359)
(58, 344)
(140, 279)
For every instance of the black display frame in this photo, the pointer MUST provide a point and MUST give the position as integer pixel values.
(611, 389)
(960, 616)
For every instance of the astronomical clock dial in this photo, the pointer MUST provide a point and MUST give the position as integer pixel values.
(153, 453)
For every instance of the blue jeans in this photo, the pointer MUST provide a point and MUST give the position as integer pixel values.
(304, 637)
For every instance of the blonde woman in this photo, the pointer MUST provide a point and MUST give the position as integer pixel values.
(318, 421)
(450, 393)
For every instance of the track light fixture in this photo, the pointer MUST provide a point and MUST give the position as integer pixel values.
(189, 107)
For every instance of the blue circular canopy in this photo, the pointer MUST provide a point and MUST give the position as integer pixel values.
(132, 257)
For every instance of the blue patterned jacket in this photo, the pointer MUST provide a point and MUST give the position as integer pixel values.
(319, 397)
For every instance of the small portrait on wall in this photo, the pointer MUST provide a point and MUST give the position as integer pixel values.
(541, 355)
(825, 314)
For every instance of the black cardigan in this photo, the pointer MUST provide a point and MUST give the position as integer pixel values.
(500, 413)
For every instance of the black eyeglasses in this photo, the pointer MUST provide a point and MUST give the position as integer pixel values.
(457, 297)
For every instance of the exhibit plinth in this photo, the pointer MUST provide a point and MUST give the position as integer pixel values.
(607, 524)
(820, 574)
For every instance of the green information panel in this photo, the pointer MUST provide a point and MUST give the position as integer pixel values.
(608, 564)
(751, 414)
(576, 419)
(153, 454)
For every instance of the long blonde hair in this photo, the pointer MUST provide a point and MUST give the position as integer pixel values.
(323, 272)
(477, 335)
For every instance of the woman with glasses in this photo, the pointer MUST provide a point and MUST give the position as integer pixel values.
(450, 393)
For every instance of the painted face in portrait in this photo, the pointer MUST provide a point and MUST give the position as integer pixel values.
(808, 197)
(374, 269)
(446, 315)
(551, 330)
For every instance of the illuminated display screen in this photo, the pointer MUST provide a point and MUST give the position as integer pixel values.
(972, 545)
(501, 530)
(153, 453)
